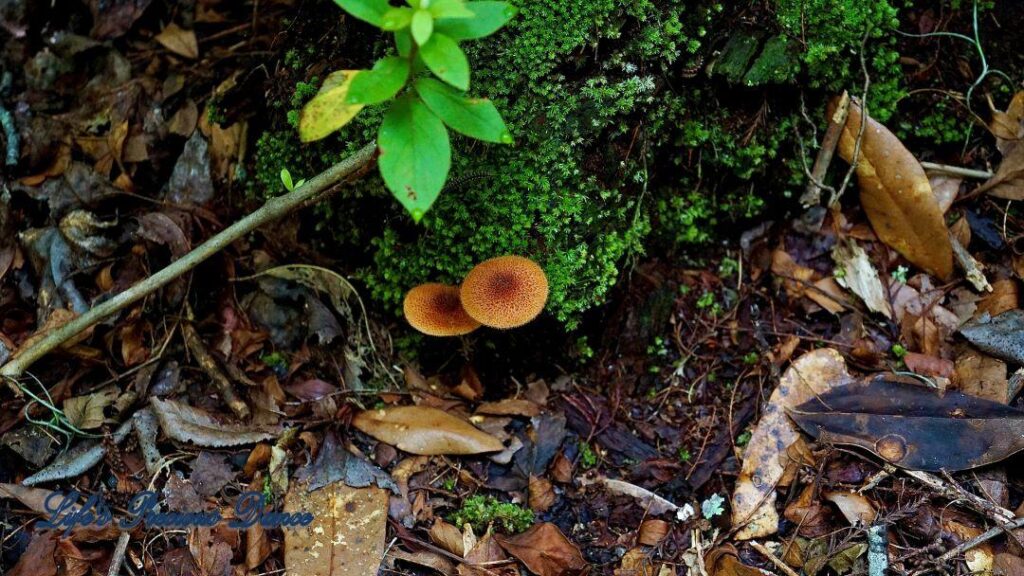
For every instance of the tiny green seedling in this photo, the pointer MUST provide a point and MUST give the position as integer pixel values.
(286, 179)
(425, 84)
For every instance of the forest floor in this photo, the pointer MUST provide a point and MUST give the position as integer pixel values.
(832, 391)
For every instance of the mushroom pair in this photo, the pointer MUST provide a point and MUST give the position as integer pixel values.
(503, 292)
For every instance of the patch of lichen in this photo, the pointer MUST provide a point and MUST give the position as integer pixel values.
(611, 141)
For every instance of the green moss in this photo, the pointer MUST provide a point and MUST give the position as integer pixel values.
(611, 143)
(588, 458)
(482, 511)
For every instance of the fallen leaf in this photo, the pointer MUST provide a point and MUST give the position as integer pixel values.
(545, 551)
(652, 531)
(33, 498)
(1001, 336)
(347, 535)
(424, 558)
(945, 188)
(979, 559)
(808, 513)
(1003, 298)
(896, 195)
(913, 426)
(1007, 565)
(1008, 181)
(983, 376)
(78, 459)
(654, 504)
(180, 41)
(184, 423)
(183, 123)
(1008, 126)
(447, 536)
(542, 494)
(855, 507)
(635, 562)
(765, 458)
(86, 412)
(927, 365)
(426, 431)
(510, 407)
(210, 473)
(724, 561)
(329, 110)
(860, 277)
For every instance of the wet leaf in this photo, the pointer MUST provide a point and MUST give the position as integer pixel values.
(912, 426)
(180, 41)
(545, 551)
(856, 508)
(766, 457)
(1001, 336)
(78, 460)
(346, 537)
(333, 463)
(426, 431)
(184, 423)
(896, 195)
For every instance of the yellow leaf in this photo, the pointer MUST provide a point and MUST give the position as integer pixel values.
(328, 110)
(896, 195)
(180, 41)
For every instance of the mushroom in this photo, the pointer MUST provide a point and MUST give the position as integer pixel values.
(505, 292)
(435, 309)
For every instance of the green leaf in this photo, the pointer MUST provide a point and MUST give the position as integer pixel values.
(474, 117)
(488, 18)
(450, 9)
(403, 42)
(371, 11)
(421, 27)
(329, 110)
(286, 179)
(396, 19)
(415, 154)
(382, 83)
(445, 59)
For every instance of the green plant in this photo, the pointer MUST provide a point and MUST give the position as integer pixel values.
(899, 351)
(482, 511)
(415, 152)
(286, 179)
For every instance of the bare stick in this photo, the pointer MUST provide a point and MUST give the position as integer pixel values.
(973, 270)
(272, 210)
(119, 550)
(980, 539)
(812, 194)
(773, 558)
(206, 361)
(957, 170)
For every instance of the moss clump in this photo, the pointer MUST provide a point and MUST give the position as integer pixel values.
(612, 140)
(482, 511)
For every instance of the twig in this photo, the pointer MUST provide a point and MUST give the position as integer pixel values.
(209, 365)
(774, 559)
(878, 550)
(980, 539)
(272, 210)
(957, 170)
(119, 550)
(972, 268)
(812, 193)
(863, 105)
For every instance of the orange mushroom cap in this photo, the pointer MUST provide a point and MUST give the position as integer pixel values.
(505, 292)
(435, 309)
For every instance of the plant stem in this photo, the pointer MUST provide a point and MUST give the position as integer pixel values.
(957, 170)
(272, 210)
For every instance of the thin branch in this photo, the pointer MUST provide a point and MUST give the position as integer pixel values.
(957, 170)
(272, 210)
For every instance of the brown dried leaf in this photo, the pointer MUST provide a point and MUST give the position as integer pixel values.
(1008, 181)
(183, 123)
(896, 195)
(426, 431)
(1008, 126)
(1004, 297)
(856, 508)
(983, 376)
(652, 531)
(945, 188)
(545, 551)
(180, 41)
(347, 535)
(765, 458)
(808, 513)
(447, 536)
(187, 424)
(542, 494)
(86, 412)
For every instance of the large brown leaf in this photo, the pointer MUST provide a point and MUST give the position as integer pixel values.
(896, 195)
(426, 431)
(346, 537)
(913, 426)
(545, 551)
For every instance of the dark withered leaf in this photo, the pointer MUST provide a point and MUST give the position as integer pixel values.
(333, 463)
(1001, 336)
(912, 426)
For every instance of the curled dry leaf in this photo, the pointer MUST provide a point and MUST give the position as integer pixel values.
(765, 459)
(545, 551)
(184, 423)
(896, 195)
(447, 536)
(426, 431)
(346, 537)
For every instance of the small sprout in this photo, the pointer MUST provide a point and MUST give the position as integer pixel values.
(899, 351)
(839, 273)
(744, 438)
(588, 458)
(684, 455)
(900, 274)
(750, 358)
(713, 506)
